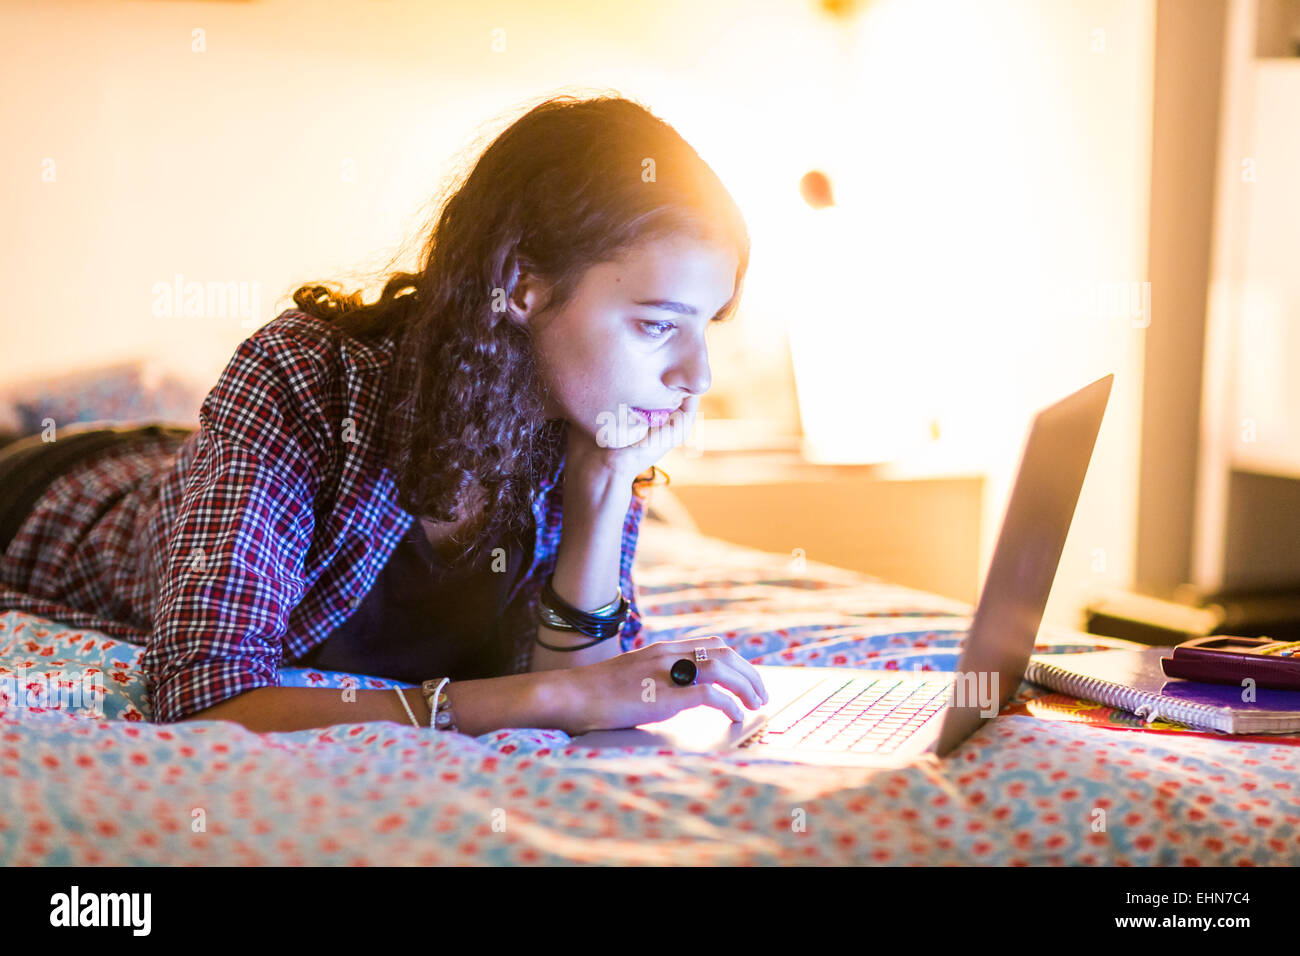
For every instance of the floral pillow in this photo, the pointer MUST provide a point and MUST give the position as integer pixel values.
(48, 665)
(135, 390)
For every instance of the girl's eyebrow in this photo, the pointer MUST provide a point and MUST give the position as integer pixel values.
(681, 308)
(671, 305)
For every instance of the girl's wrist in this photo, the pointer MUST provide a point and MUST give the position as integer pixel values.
(419, 706)
(600, 484)
(595, 498)
(562, 693)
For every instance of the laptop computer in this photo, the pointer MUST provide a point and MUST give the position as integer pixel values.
(856, 717)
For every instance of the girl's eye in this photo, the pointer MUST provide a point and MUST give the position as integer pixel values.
(656, 325)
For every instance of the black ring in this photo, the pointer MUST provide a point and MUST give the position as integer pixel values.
(683, 672)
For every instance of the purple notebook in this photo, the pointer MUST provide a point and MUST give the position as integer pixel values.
(1133, 681)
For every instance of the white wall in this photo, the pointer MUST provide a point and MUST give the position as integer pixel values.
(996, 159)
(993, 171)
(307, 139)
(1266, 435)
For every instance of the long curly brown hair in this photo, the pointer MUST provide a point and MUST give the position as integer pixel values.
(570, 184)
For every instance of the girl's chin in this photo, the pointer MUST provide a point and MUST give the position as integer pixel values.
(612, 436)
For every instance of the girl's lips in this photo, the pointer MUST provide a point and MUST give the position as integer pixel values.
(656, 418)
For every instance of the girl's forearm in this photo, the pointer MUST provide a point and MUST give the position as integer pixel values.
(480, 706)
(587, 566)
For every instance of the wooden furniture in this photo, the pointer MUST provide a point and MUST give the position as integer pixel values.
(1219, 501)
(920, 532)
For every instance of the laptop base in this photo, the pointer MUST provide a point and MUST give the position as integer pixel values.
(707, 730)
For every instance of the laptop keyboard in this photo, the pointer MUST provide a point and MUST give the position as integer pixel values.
(861, 715)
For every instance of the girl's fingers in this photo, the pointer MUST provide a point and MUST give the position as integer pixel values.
(715, 698)
(724, 665)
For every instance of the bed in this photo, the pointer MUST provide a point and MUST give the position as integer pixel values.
(1050, 781)
(1034, 786)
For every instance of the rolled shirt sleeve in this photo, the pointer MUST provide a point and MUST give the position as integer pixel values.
(234, 563)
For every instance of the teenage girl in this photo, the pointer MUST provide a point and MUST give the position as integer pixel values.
(442, 487)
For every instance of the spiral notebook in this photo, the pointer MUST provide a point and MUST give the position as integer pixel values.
(1133, 681)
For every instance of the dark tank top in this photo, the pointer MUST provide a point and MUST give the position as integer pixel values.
(424, 618)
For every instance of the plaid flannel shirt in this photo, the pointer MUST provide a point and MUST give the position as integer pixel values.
(262, 532)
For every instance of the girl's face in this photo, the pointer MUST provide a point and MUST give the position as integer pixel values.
(631, 337)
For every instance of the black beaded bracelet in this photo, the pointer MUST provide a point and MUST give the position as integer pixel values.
(597, 626)
(547, 616)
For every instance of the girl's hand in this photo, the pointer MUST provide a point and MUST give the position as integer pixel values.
(621, 465)
(635, 688)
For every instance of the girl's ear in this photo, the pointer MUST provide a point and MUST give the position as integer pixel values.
(528, 300)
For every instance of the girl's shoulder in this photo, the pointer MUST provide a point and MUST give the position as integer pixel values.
(301, 394)
(300, 335)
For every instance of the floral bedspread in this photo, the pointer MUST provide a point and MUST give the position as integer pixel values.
(80, 787)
